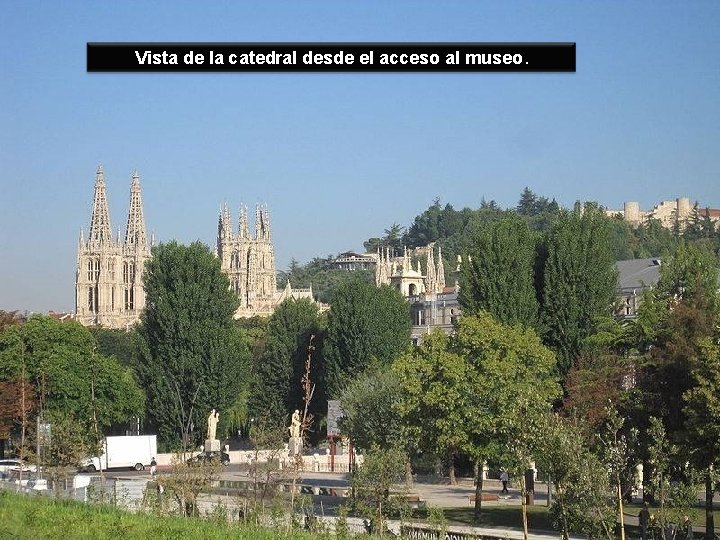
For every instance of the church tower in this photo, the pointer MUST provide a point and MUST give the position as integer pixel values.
(108, 279)
(249, 261)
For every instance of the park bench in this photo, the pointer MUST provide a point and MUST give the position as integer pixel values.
(415, 502)
(485, 497)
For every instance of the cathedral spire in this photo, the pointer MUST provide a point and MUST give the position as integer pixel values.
(135, 233)
(100, 220)
(224, 226)
(440, 272)
(243, 231)
(266, 222)
(430, 282)
(258, 222)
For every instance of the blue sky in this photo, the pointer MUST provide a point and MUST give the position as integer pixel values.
(339, 157)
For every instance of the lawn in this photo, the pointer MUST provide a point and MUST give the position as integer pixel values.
(39, 517)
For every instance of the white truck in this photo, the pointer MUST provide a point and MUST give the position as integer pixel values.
(124, 452)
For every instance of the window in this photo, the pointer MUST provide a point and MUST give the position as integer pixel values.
(93, 299)
(128, 272)
(129, 299)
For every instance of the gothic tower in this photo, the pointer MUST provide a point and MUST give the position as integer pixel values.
(249, 261)
(108, 280)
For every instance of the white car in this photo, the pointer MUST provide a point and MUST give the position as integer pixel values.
(8, 466)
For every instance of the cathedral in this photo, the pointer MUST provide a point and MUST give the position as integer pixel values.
(399, 273)
(108, 279)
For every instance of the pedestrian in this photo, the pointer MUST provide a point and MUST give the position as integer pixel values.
(153, 467)
(686, 530)
(504, 479)
(644, 521)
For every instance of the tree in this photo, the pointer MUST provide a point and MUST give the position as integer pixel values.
(580, 503)
(57, 357)
(510, 366)
(369, 405)
(660, 453)
(193, 357)
(692, 275)
(371, 484)
(702, 411)
(579, 280)
(435, 401)
(617, 449)
(677, 376)
(499, 278)
(530, 204)
(597, 378)
(462, 394)
(393, 237)
(364, 322)
(121, 344)
(277, 388)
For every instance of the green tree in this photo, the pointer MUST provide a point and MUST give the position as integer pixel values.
(692, 275)
(364, 322)
(277, 373)
(121, 344)
(580, 504)
(500, 278)
(369, 404)
(702, 411)
(193, 357)
(371, 484)
(58, 356)
(579, 281)
(436, 401)
(531, 204)
(510, 365)
(617, 449)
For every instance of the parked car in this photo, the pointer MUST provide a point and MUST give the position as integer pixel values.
(209, 457)
(9, 466)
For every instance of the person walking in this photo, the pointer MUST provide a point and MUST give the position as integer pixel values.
(153, 467)
(504, 478)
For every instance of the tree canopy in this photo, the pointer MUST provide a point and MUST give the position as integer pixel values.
(278, 371)
(499, 275)
(364, 323)
(62, 366)
(193, 357)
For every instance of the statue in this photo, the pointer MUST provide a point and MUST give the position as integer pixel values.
(212, 424)
(295, 425)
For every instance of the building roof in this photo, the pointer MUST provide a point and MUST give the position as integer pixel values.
(713, 213)
(638, 273)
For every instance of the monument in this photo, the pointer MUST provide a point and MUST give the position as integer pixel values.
(212, 444)
(295, 444)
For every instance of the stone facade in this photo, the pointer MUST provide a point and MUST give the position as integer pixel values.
(351, 261)
(432, 304)
(249, 262)
(108, 279)
(399, 273)
(669, 213)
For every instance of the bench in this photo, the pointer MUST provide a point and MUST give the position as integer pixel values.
(415, 502)
(484, 497)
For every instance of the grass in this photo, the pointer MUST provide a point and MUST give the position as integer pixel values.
(40, 517)
(696, 513)
(498, 516)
